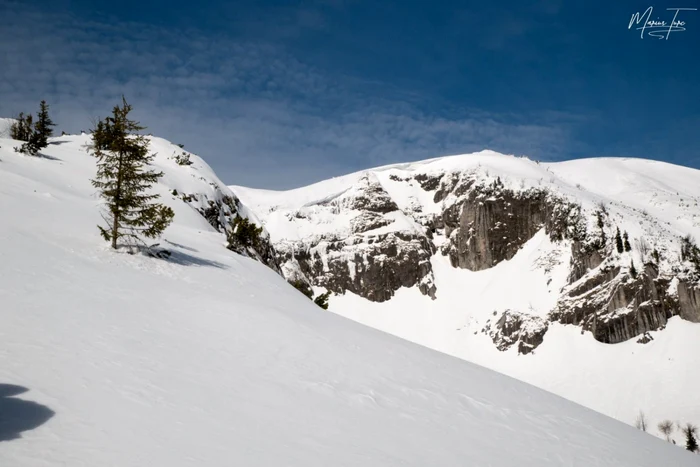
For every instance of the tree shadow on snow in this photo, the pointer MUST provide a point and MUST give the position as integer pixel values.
(184, 259)
(182, 247)
(175, 256)
(18, 415)
(45, 156)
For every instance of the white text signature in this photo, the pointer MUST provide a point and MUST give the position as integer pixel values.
(656, 27)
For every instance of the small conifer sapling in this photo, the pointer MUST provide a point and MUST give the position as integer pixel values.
(691, 443)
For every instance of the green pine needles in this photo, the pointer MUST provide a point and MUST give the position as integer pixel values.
(124, 181)
(43, 128)
(22, 128)
(35, 134)
(321, 300)
(243, 234)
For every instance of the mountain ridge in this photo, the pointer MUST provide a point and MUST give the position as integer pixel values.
(374, 236)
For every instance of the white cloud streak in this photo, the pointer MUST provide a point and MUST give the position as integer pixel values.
(259, 115)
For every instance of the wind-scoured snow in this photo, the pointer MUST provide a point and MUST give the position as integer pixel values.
(212, 359)
(653, 200)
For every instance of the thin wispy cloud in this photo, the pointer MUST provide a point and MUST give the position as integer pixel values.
(258, 113)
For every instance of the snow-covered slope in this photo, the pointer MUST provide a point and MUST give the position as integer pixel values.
(211, 359)
(491, 258)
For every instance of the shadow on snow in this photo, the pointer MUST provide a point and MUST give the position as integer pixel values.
(184, 259)
(18, 415)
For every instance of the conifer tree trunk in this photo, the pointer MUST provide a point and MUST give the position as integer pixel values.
(115, 214)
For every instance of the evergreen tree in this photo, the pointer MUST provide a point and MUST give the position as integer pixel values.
(123, 180)
(633, 270)
(31, 147)
(28, 125)
(36, 138)
(691, 444)
(243, 233)
(601, 226)
(15, 128)
(43, 126)
(102, 134)
(628, 247)
(618, 241)
(98, 136)
(21, 130)
(322, 300)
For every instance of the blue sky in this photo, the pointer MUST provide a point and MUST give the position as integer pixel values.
(278, 94)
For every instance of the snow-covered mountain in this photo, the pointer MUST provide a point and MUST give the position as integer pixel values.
(211, 358)
(516, 265)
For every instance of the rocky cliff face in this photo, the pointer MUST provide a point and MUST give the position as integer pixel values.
(373, 270)
(491, 224)
(381, 229)
(688, 301)
(374, 251)
(616, 307)
(514, 328)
